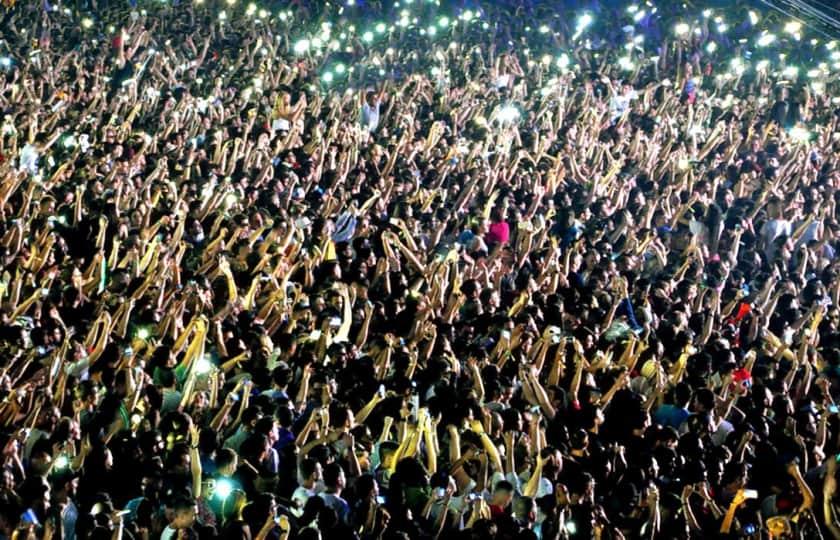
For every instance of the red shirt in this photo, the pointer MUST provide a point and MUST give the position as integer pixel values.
(498, 233)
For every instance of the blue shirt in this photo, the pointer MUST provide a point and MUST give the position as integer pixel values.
(670, 416)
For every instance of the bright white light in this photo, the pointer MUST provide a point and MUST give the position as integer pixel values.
(87, 23)
(800, 134)
(711, 47)
(681, 29)
(508, 114)
(793, 27)
(328, 77)
(790, 72)
(301, 46)
(563, 61)
(380, 28)
(766, 40)
(223, 488)
(203, 366)
(584, 21)
(753, 17)
(367, 37)
(639, 16)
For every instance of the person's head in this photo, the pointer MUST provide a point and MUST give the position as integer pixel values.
(735, 476)
(366, 487)
(334, 477)
(387, 452)
(704, 401)
(370, 98)
(682, 394)
(310, 472)
(281, 375)
(226, 461)
(525, 510)
(502, 494)
(183, 513)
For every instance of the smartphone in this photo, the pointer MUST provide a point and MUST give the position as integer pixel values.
(440, 492)
(506, 334)
(381, 390)
(29, 518)
(380, 499)
(335, 322)
(750, 494)
(414, 401)
(833, 409)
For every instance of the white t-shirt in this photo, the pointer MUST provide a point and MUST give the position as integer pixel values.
(370, 116)
(620, 103)
(299, 498)
(772, 230)
(29, 159)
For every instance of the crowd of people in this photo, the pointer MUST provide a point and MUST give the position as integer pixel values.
(416, 270)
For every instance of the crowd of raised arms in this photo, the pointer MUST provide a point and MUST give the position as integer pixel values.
(417, 271)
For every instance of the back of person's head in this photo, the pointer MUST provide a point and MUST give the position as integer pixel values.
(339, 415)
(167, 377)
(523, 508)
(281, 375)
(387, 449)
(225, 457)
(682, 394)
(264, 425)
(307, 468)
(333, 473)
(705, 398)
(285, 415)
(250, 416)
(364, 486)
(253, 448)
